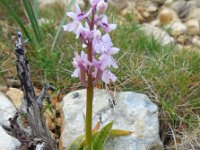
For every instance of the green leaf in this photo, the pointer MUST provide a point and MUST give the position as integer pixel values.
(33, 21)
(118, 132)
(78, 143)
(99, 140)
(36, 9)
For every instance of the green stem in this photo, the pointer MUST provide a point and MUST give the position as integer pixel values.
(89, 113)
(90, 91)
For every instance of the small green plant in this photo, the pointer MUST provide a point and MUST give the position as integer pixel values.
(98, 137)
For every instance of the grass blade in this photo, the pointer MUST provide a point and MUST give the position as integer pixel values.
(36, 9)
(13, 13)
(33, 21)
(61, 24)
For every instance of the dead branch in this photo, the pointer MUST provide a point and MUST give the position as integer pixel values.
(40, 135)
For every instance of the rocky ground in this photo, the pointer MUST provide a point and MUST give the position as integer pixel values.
(170, 21)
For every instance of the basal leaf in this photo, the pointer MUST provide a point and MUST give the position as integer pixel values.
(99, 140)
(118, 132)
(78, 143)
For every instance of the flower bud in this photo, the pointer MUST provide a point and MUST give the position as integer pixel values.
(101, 6)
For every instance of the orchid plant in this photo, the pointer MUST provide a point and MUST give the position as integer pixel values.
(95, 60)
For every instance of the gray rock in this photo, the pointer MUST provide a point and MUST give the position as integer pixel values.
(177, 29)
(158, 34)
(7, 110)
(134, 112)
(196, 41)
(193, 27)
(182, 8)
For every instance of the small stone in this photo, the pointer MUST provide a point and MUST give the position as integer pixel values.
(177, 29)
(168, 3)
(16, 97)
(180, 46)
(49, 122)
(181, 39)
(58, 122)
(194, 14)
(152, 9)
(146, 15)
(193, 27)
(125, 5)
(138, 17)
(182, 8)
(3, 88)
(167, 16)
(155, 23)
(13, 83)
(196, 41)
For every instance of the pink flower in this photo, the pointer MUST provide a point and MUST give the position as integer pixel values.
(80, 63)
(107, 76)
(101, 6)
(75, 26)
(104, 24)
(102, 44)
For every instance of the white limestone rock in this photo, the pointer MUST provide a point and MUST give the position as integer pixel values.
(193, 27)
(177, 29)
(8, 142)
(7, 110)
(196, 41)
(134, 112)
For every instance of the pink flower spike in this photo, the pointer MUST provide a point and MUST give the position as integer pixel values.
(107, 76)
